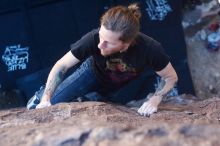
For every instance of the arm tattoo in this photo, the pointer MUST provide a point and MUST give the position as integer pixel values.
(52, 85)
(164, 88)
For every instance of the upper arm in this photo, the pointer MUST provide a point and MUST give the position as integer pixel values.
(68, 60)
(168, 72)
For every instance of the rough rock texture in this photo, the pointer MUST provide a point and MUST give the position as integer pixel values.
(187, 122)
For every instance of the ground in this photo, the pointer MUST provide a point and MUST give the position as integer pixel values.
(189, 122)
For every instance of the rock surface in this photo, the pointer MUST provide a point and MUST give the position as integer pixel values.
(189, 122)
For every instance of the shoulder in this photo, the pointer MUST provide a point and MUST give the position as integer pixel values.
(146, 40)
(89, 37)
(94, 31)
(147, 45)
(94, 35)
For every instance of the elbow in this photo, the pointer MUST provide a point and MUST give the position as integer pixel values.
(58, 63)
(175, 78)
(60, 66)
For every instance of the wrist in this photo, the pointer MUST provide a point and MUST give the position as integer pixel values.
(158, 94)
(45, 99)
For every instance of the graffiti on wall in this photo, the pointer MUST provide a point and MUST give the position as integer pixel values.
(16, 57)
(158, 9)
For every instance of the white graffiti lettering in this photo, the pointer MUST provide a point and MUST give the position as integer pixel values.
(15, 57)
(157, 9)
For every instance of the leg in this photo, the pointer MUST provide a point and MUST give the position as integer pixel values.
(135, 89)
(81, 82)
(139, 89)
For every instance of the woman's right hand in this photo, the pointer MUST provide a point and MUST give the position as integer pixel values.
(43, 104)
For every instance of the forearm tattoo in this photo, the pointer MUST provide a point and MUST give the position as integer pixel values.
(165, 87)
(53, 83)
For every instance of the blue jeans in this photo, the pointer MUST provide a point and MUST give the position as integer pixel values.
(81, 83)
(84, 83)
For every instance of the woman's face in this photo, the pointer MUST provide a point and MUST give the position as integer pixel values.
(109, 42)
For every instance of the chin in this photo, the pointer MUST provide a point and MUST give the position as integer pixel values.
(104, 54)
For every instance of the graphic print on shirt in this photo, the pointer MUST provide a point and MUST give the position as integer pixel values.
(119, 71)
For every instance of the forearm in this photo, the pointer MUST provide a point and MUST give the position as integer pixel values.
(54, 79)
(168, 74)
(169, 84)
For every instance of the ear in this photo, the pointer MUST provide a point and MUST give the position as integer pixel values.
(125, 47)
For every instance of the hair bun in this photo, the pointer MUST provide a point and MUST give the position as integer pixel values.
(134, 8)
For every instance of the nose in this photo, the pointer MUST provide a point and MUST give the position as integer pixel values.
(102, 45)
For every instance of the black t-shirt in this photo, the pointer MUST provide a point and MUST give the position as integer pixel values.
(120, 68)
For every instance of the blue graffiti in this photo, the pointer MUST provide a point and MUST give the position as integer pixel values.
(16, 57)
(157, 9)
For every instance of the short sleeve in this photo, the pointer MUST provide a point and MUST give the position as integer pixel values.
(84, 47)
(159, 58)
